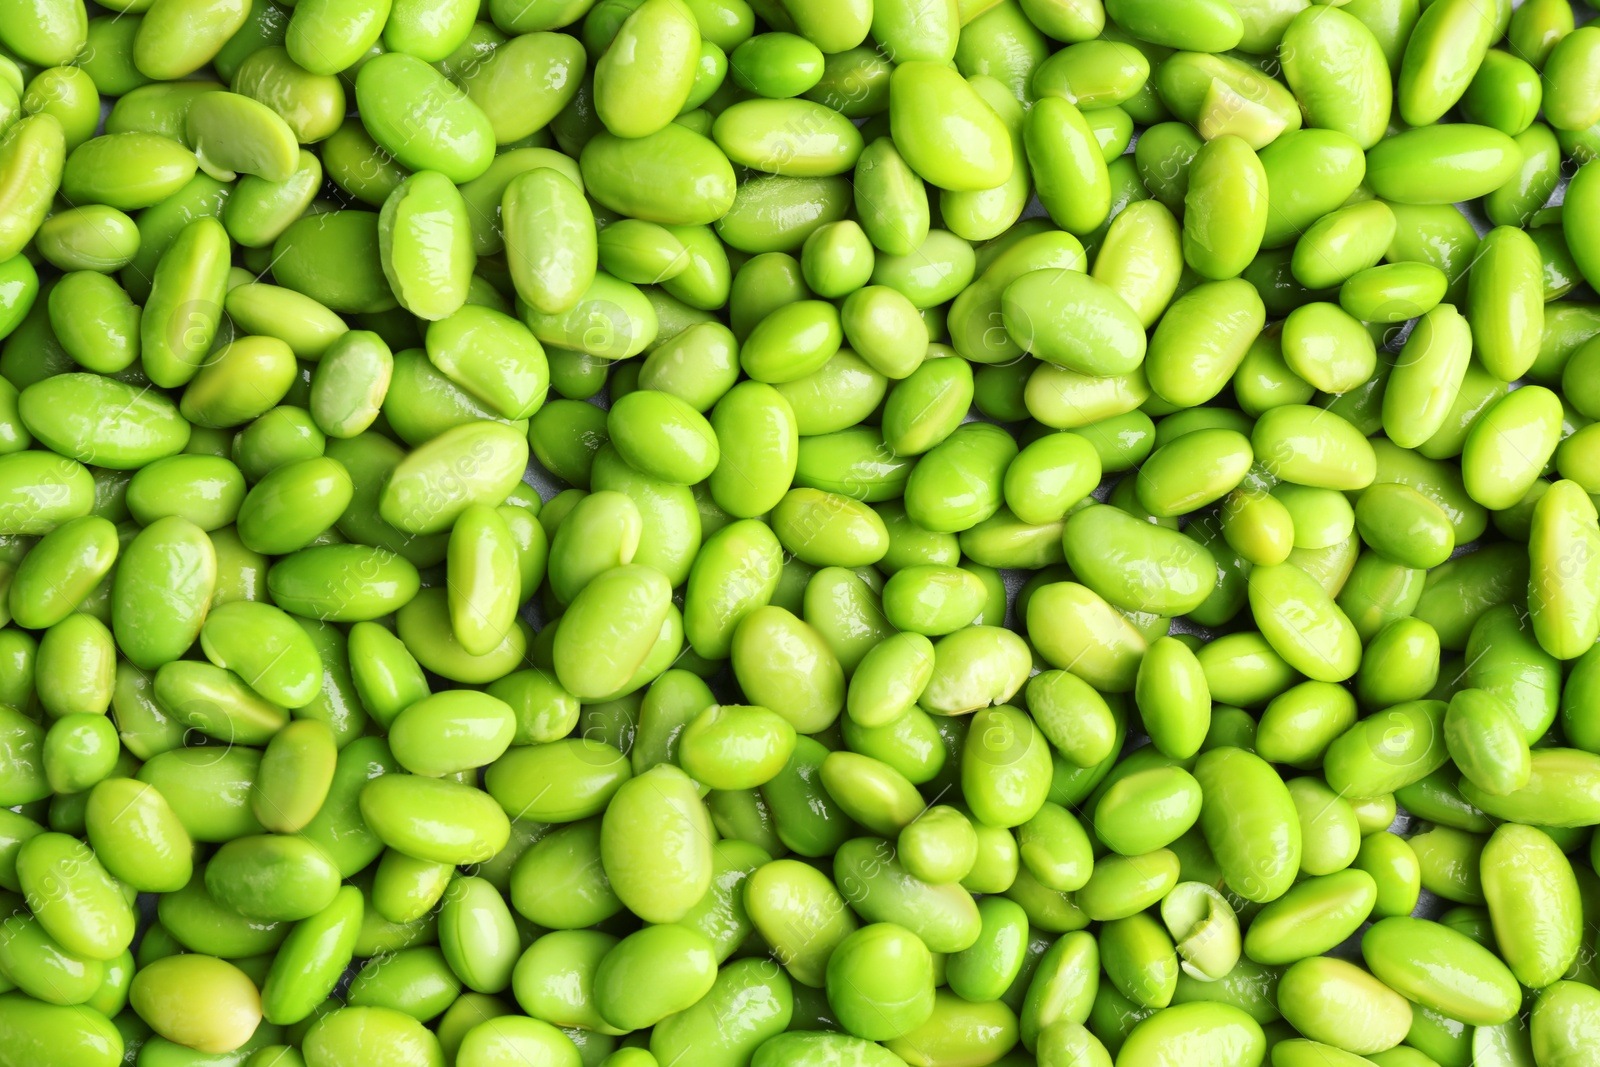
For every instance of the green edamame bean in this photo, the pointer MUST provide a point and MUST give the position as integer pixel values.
(272, 877)
(1504, 93)
(371, 1033)
(1568, 81)
(1321, 996)
(1200, 26)
(73, 897)
(70, 413)
(642, 84)
(425, 245)
(880, 982)
(1225, 208)
(61, 571)
(126, 170)
(1312, 917)
(798, 138)
(431, 819)
(395, 91)
(1475, 984)
(690, 180)
(1521, 865)
(1173, 698)
(1068, 167)
(944, 917)
(955, 140)
(776, 65)
(1535, 32)
(162, 592)
(1437, 164)
(1185, 567)
(93, 237)
(1560, 1021)
(1248, 819)
(1506, 271)
(1171, 793)
(1201, 340)
(199, 1001)
(939, 846)
(1400, 664)
(137, 835)
(1514, 436)
(801, 914)
(32, 157)
(891, 200)
(1445, 51)
(1553, 770)
(1216, 1031)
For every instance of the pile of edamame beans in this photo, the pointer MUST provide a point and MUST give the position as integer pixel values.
(993, 587)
